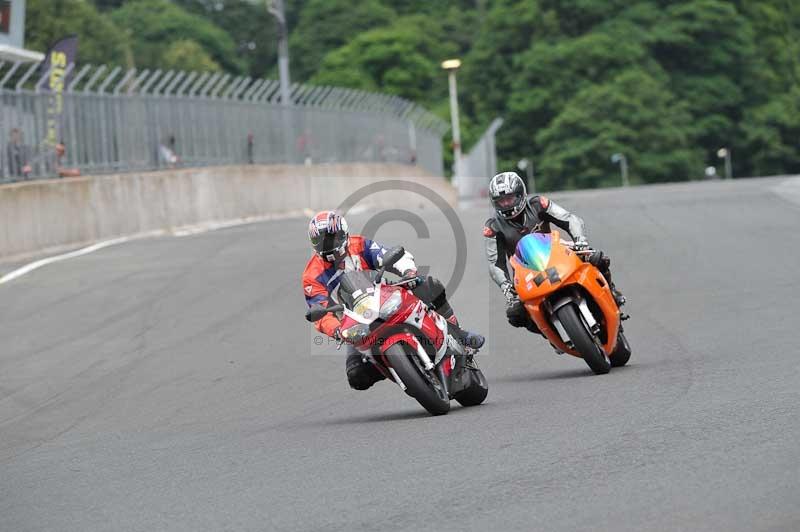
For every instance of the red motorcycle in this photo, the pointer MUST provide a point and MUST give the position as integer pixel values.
(407, 341)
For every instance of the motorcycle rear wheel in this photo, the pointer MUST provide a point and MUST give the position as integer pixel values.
(583, 340)
(417, 385)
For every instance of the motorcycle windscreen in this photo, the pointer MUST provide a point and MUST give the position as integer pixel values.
(355, 285)
(533, 251)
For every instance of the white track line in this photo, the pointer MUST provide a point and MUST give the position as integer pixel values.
(179, 232)
(28, 268)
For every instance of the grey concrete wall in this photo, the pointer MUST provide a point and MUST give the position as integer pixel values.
(46, 216)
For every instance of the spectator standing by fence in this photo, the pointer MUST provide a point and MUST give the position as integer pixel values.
(18, 155)
(166, 153)
(60, 153)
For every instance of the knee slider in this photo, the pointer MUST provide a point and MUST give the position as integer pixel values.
(517, 315)
(359, 379)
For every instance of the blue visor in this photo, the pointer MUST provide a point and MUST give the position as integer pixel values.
(533, 251)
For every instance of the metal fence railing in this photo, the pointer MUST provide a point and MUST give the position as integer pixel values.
(480, 164)
(104, 120)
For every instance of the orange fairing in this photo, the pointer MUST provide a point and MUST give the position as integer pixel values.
(550, 268)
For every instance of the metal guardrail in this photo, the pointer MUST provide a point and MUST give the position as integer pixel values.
(110, 120)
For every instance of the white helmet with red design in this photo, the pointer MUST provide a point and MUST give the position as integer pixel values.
(328, 234)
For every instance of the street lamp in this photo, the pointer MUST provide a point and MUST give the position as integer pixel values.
(276, 9)
(623, 167)
(451, 66)
(725, 153)
(525, 164)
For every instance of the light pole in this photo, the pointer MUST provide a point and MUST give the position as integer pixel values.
(451, 66)
(276, 9)
(623, 167)
(523, 165)
(725, 153)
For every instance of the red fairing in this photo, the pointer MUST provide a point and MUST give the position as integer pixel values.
(397, 338)
(406, 307)
(447, 366)
(431, 336)
(433, 333)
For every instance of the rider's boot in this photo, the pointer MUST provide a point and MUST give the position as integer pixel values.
(472, 341)
(360, 374)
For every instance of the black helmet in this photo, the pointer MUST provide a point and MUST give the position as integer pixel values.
(328, 234)
(508, 194)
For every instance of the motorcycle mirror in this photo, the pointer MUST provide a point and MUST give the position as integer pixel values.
(389, 259)
(317, 312)
(392, 256)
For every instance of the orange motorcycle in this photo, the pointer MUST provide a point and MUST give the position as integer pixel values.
(569, 300)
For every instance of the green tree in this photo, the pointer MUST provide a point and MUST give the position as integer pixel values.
(707, 47)
(325, 25)
(107, 5)
(771, 135)
(403, 59)
(510, 27)
(188, 55)
(249, 24)
(551, 74)
(99, 39)
(635, 114)
(154, 25)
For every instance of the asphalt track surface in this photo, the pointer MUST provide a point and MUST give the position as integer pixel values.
(172, 384)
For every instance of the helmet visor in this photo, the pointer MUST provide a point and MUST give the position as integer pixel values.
(509, 204)
(508, 201)
(329, 243)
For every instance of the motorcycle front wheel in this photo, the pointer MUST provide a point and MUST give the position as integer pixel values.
(583, 340)
(426, 389)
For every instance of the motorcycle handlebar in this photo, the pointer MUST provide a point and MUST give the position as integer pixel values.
(571, 245)
(401, 282)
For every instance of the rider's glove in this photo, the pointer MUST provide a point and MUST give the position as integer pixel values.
(413, 280)
(509, 292)
(580, 244)
(337, 334)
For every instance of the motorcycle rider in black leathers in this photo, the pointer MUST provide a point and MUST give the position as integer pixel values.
(516, 215)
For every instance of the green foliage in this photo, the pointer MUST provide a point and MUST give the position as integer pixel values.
(633, 113)
(325, 25)
(106, 5)
(153, 25)
(100, 40)
(188, 55)
(249, 24)
(402, 59)
(772, 135)
(730, 66)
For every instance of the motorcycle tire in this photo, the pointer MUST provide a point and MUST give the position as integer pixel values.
(476, 393)
(622, 353)
(583, 340)
(417, 384)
